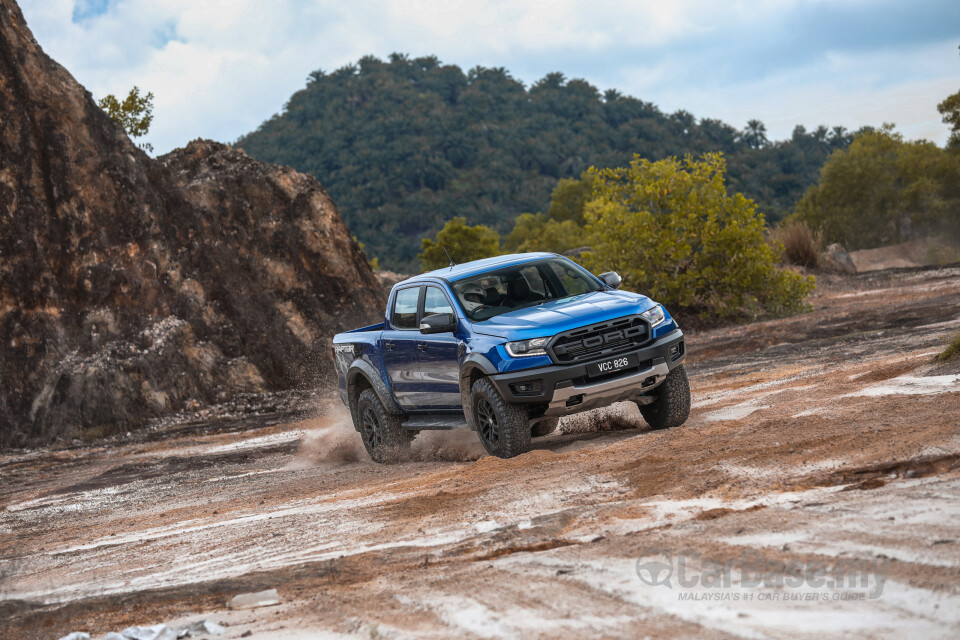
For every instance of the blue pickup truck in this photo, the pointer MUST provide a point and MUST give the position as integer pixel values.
(506, 347)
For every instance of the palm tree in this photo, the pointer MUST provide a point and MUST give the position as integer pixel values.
(755, 135)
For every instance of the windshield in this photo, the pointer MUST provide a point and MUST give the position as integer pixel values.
(524, 285)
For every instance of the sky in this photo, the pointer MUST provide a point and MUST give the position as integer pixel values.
(218, 68)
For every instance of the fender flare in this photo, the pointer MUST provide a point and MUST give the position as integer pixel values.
(473, 362)
(363, 368)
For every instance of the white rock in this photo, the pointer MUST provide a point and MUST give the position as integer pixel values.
(113, 635)
(251, 600)
(156, 632)
(201, 627)
(76, 635)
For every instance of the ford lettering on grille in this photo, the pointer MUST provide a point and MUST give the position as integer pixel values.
(603, 339)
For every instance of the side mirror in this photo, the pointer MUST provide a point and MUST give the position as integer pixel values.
(438, 323)
(611, 279)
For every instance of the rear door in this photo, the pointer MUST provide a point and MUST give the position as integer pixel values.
(439, 366)
(399, 346)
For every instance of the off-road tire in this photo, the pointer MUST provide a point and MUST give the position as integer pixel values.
(382, 433)
(545, 427)
(671, 402)
(503, 428)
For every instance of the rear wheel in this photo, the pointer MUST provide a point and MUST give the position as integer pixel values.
(382, 433)
(671, 401)
(503, 428)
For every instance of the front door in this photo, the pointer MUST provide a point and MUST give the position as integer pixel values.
(439, 365)
(399, 347)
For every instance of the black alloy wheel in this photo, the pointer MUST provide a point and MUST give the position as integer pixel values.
(371, 430)
(503, 428)
(488, 426)
(382, 432)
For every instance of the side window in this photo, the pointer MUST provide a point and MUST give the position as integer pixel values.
(435, 302)
(573, 283)
(404, 314)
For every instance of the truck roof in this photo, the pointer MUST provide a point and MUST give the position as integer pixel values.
(467, 269)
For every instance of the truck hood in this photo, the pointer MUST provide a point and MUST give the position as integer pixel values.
(553, 317)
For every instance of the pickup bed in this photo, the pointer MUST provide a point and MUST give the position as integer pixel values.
(506, 347)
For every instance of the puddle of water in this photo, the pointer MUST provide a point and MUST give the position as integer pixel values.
(258, 442)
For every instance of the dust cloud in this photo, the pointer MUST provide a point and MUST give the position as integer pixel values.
(332, 439)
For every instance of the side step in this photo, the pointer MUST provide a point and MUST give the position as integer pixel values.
(441, 422)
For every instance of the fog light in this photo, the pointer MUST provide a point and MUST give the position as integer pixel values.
(676, 351)
(526, 387)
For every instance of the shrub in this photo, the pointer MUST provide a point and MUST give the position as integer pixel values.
(952, 351)
(671, 230)
(797, 243)
(463, 242)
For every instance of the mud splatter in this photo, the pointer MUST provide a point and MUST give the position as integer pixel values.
(446, 446)
(618, 417)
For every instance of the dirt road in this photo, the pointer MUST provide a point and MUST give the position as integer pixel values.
(817, 444)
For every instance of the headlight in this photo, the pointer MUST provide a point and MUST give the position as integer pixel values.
(531, 347)
(654, 316)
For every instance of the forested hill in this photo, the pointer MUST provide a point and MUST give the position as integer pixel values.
(406, 144)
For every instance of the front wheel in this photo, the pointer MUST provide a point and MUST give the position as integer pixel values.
(503, 428)
(383, 435)
(671, 401)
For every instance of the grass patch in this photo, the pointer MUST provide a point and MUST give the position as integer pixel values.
(951, 352)
(800, 245)
(941, 253)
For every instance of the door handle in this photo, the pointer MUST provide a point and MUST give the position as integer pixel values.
(389, 346)
(422, 346)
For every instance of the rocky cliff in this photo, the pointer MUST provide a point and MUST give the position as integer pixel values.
(132, 287)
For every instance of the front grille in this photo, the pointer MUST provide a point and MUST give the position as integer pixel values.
(599, 340)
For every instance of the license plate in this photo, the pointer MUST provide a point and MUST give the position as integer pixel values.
(612, 365)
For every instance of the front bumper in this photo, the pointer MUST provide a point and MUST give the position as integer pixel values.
(566, 389)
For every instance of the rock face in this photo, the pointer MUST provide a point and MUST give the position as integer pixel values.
(131, 286)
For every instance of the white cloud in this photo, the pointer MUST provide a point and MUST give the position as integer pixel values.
(219, 68)
(852, 90)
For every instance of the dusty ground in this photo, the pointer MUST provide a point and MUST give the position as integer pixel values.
(815, 439)
(914, 253)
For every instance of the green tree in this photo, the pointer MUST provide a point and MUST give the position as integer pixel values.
(671, 230)
(569, 197)
(755, 134)
(537, 232)
(883, 190)
(950, 110)
(402, 142)
(134, 114)
(463, 242)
